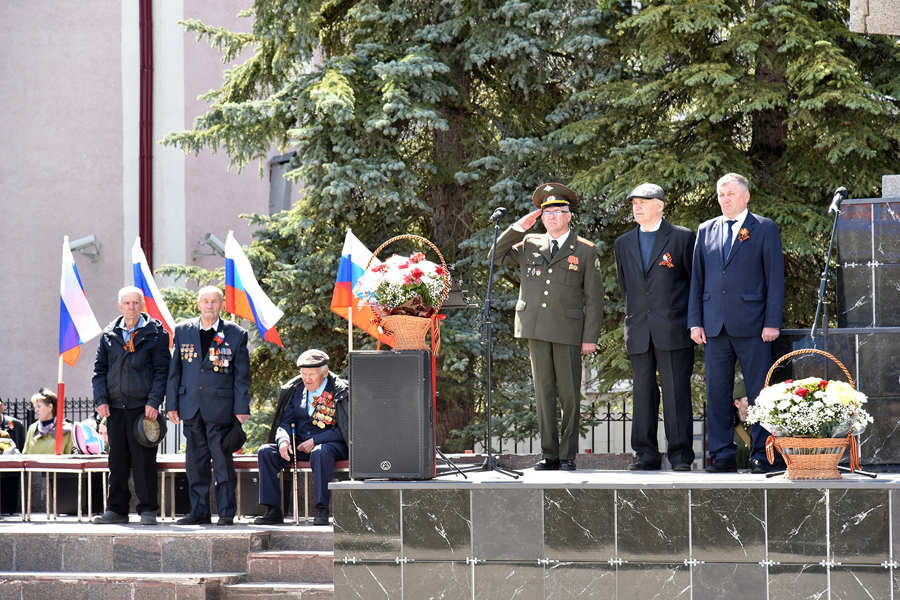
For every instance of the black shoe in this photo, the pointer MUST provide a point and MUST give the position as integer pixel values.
(722, 466)
(567, 465)
(321, 515)
(273, 516)
(761, 467)
(642, 466)
(109, 517)
(192, 520)
(681, 466)
(225, 521)
(148, 517)
(546, 464)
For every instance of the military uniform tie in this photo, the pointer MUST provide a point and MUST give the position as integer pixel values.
(554, 248)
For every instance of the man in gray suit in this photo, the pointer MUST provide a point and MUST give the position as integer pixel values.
(209, 386)
(559, 312)
(653, 264)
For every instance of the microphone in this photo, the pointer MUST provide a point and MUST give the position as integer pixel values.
(840, 195)
(499, 214)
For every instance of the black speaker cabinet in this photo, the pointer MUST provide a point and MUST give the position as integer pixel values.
(391, 415)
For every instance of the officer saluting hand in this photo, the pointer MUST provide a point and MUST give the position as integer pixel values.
(559, 312)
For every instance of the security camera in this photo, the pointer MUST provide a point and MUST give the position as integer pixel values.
(215, 243)
(83, 244)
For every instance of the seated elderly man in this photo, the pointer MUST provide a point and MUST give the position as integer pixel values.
(317, 404)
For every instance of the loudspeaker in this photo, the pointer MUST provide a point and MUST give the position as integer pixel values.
(391, 415)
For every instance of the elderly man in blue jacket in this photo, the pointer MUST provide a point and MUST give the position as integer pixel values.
(313, 413)
(209, 386)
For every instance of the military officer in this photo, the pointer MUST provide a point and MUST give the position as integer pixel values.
(559, 312)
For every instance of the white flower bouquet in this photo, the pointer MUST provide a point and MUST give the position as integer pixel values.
(403, 286)
(811, 407)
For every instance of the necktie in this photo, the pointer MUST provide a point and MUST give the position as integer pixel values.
(726, 251)
(554, 248)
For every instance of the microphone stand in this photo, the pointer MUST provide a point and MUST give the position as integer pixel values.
(490, 464)
(822, 305)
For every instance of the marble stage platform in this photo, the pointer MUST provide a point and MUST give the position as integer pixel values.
(617, 535)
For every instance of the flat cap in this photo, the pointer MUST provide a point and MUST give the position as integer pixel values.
(312, 359)
(647, 190)
(554, 194)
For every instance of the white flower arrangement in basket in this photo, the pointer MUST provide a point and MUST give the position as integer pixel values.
(811, 407)
(403, 286)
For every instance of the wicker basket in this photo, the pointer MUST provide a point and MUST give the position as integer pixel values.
(410, 332)
(810, 458)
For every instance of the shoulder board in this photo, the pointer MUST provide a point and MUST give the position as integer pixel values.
(519, 245)
(533, 236)
(584, 241)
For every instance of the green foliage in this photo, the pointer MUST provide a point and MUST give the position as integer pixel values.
(421, 117)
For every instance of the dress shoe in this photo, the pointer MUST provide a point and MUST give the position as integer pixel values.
(567, 465)
(642, 466)
(681, 466)
(321, 515)
(225, 521)
(192, 520)
(722, 466)
(109, 517)
(273, 516)
(545, 464)
(761, 467)
(148, 517)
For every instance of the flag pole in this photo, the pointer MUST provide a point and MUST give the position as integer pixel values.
(350, 328)
(60, 400)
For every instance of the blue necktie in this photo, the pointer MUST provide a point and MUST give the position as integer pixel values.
(726, 251)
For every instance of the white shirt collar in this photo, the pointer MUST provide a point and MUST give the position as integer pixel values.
(739, 220)
(560, 240)
(215, 326)
(654, 228)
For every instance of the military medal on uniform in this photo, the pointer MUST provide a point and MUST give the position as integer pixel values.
(573, 263)
(323, 410)
(187, 352)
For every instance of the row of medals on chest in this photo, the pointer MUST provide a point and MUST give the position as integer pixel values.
(220, 356)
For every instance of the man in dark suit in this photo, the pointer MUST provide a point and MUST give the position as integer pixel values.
(559, 312)
(737, 296)
(316, 402)
(209, 386)
(653, 264)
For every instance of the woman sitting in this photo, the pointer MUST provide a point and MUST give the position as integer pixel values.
(41, 438)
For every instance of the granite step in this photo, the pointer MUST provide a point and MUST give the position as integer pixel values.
(115, 586)
(277, 591)
(291, 566)
(318, 539)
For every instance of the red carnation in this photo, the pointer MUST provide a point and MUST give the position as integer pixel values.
(439, 270)
(823, 384)
(789, 381)
(407, 279)
(417, 273)
(802, 392)
(380, 268)
(416, 257)
(404, 266)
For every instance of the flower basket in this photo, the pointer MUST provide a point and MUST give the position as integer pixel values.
(409, 331)
(814, 457)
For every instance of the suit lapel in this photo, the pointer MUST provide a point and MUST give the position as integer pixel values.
(633, 242)
(717, 241)
(662, 240)
(566, 249)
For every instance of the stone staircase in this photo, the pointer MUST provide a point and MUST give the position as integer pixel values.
(111, 562)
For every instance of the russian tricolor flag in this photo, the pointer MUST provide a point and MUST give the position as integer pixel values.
(354, 258)
(153, 300)
(77, 323)
(244, 297)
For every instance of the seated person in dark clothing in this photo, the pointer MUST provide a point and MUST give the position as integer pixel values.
(742, 430)
(317, 403)
(12, 428)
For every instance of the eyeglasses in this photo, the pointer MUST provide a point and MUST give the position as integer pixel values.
(555, 213)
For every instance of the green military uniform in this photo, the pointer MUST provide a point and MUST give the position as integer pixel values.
(560, 307)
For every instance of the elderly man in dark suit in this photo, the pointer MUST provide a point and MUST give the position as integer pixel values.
(559, 312)
(737, 297)
(209, 386)
(316, 403)
(653, 264)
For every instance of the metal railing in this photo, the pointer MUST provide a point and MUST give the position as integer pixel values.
(80, 409)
